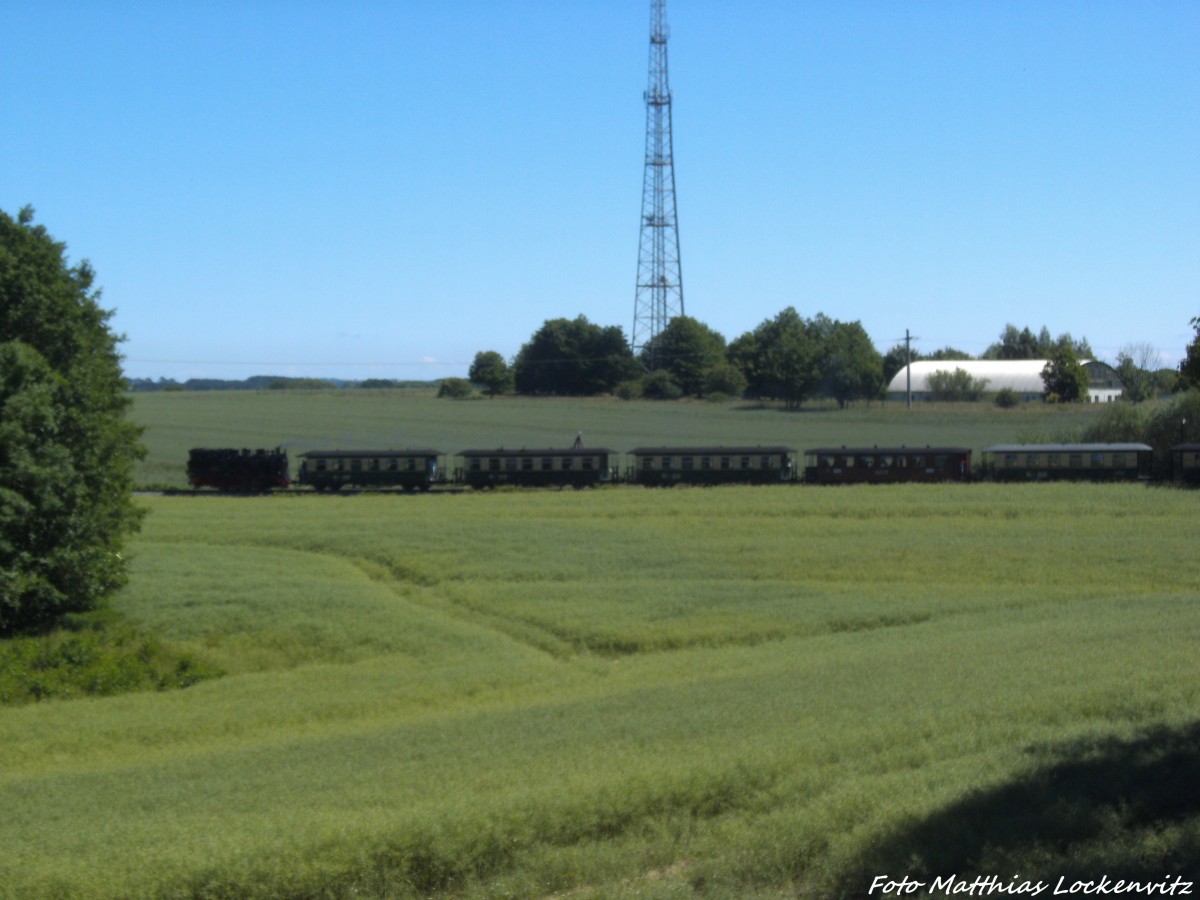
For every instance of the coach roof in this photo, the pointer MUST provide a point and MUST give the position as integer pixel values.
(1068, 448)
(568, 451)
(709, 451)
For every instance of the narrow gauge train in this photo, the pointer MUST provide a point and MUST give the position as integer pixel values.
(261, 470)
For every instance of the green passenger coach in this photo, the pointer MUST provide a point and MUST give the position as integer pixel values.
(574, 467)
(666, 466)
(1185, 463)
(335, 469)
(1068, 462)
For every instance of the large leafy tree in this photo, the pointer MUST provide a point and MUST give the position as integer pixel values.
(66, 449)
(851, 367)
(574, 357)
(779, 358)
(1064, 376)
(490, 370)
(688, 349)
(1189, 369)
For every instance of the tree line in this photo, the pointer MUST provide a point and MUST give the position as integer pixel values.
(786, 358)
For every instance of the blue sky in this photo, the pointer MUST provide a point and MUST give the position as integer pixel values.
(381, 189)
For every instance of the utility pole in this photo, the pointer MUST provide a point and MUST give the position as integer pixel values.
(659, 296)
(908, 339)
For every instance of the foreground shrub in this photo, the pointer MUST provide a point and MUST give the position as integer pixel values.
(661, 386)
(455, 388)
(97, 656)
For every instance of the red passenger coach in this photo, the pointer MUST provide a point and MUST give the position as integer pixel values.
(886, 465)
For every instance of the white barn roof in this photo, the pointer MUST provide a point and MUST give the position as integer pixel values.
(1022, 375)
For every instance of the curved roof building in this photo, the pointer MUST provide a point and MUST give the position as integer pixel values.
(1023, 376)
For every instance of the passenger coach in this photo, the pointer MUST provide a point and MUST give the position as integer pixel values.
(886, 465)
(666, 466)
(575, 467)
(1185, 463)
(1065, 462)
(335, 469)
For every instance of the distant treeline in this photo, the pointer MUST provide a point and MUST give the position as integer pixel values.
(273, 383)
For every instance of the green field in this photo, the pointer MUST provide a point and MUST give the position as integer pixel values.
(627, 693)
(376, 420)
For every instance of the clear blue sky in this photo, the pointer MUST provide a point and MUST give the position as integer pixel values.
(381, 189)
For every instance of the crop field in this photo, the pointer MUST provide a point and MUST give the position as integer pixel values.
(620, 692)
(378, 420)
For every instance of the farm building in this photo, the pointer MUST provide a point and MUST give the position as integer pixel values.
(1023, 376)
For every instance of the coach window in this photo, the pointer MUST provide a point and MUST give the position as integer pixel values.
(687, 462)
(589, 463)
(547, 463)
(726, 462)
(567, 463)
(745, 462)
(356, 465)
(527, 464)
(666, 464)
(1118, 460)
(885, 462)
(1097, 460)
(372, 465)
(1010, 460)
(647, 462)
(940, 460)
(1052, 460)
(474, 464)
(1033, 460)
(493, 464)
(868, 462)
(706, 462)
(320, 465)
(826, 462)
(765, 462)
(1075, 460)
(510, 464)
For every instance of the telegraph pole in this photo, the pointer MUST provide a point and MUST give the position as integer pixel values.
(659, 296)
(908, 339)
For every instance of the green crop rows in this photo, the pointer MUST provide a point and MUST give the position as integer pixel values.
(626, 692)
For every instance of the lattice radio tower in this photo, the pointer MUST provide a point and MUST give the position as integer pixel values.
(659, 279)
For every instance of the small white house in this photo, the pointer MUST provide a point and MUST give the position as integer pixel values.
(1023, 376)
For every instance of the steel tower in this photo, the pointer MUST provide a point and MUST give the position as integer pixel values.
(659, 279)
